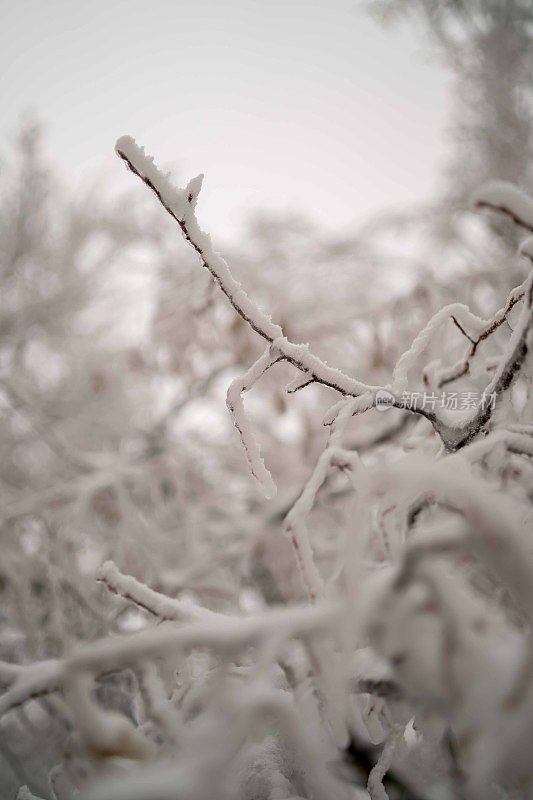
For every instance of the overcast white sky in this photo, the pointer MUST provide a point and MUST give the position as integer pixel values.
(281, 103)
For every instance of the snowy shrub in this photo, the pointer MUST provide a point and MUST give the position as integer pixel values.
(401, 665)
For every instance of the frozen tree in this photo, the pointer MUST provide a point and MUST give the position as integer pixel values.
(400, 668)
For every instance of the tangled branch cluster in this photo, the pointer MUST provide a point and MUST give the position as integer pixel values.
(409, 671)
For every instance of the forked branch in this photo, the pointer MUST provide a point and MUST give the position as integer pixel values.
(455, 432)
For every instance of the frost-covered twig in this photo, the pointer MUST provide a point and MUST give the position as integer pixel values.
(505, 198)
(456, 311)
(295, 521)
(453, 373)
(156, 603)
(180, 204)
(235, 405)
(507, 369)
(494, 525)
(333, 456)
(222, 634)
(27, 682)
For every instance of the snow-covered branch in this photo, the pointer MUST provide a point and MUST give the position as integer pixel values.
(158, 604)
(222, 633)
(454, 431)
(453, 373)
(505, 198)
(235, 405)
(404, 661)
(27, 682)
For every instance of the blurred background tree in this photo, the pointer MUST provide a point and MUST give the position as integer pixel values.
(487, 47)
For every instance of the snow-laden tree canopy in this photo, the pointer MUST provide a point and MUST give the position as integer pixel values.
(381, 642)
